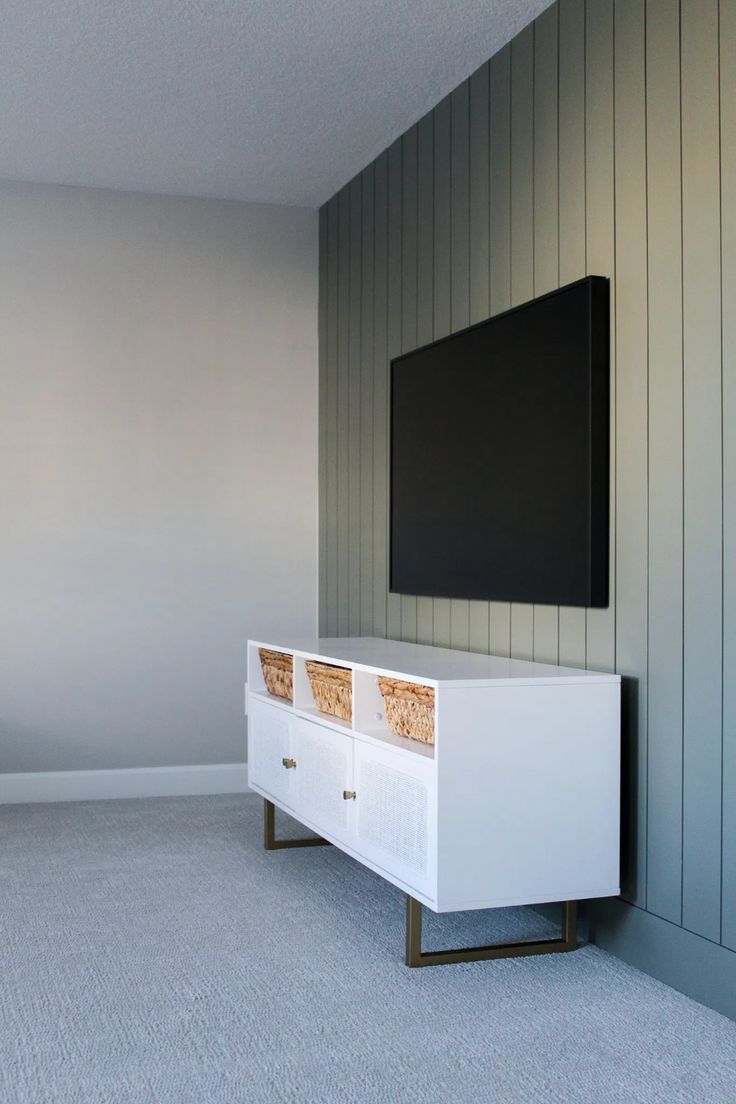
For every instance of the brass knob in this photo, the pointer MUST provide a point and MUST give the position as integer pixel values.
(288, 763)
(348, 795)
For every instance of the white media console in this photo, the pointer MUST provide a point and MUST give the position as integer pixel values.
(516, 803)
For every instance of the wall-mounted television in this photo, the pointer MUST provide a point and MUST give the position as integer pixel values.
(499, 456)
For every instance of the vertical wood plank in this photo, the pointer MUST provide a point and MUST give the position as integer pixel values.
(442, 295)
(479, 245)
(409, 230)
(500, 256)
(728, 296)
(664, 799)
(460, 279)
(631, 407)
(571, 216)
(425, 291)
(601, 261)
(322, 423)
(703, 564)
(395, 182)
(479, 230)
(522, 244)
(354, 395)
(380, 394)
(546, 641)
(366, 406)
(343, 409)
(478, 626)
(460, 207)
(331, 414)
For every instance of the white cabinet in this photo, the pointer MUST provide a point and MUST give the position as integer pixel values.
(517, 801)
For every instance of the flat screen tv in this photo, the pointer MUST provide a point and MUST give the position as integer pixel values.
(499, 456)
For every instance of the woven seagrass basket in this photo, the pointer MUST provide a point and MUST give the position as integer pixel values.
(278, 672)
(409, 708)
(332, 688)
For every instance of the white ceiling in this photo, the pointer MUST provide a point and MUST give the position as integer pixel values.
(278, 102)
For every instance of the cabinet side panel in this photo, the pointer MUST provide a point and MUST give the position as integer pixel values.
(528, 794)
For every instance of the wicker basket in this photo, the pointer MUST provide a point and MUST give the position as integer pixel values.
(278, 672)
(409, 709)
(332, 688)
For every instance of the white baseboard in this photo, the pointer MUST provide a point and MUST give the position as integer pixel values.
(93, 785)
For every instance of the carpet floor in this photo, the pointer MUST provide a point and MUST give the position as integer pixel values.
(151, 952)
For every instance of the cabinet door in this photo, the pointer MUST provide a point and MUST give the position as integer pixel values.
(395, 815)
(324, 770)
(269, 743)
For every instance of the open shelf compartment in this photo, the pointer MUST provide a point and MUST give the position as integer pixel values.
(256, 679)
(369, 716)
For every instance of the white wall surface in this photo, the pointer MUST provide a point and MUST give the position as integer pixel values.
(158, 469)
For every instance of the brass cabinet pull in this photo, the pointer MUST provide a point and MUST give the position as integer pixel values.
(288, 763)
(349, 795)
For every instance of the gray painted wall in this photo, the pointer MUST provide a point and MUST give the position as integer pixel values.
(158, 469)
(601, 140)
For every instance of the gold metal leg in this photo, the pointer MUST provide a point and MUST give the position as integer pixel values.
(269, 832)
(415, 956)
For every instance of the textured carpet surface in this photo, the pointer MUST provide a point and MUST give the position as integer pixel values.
(152, 953)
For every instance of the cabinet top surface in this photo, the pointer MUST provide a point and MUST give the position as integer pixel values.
(442, 666)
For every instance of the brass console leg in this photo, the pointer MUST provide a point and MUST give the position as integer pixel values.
(269, 832)
(415, 956)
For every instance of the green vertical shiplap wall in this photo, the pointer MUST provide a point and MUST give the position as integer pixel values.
(600, 140)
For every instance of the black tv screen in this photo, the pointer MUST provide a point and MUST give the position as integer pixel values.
(499, 456)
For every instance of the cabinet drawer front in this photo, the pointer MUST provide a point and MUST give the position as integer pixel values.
(269, 743)
(324, 771)
(394, 815)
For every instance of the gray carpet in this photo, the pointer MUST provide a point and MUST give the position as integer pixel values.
(152, 953)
